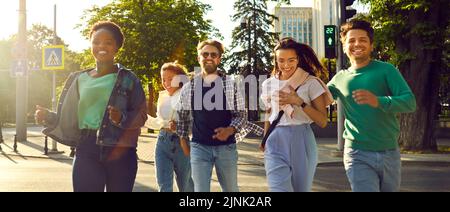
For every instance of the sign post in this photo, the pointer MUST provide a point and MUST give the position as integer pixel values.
(53, 59)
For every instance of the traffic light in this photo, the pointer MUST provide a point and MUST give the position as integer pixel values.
(330, 41)
(347, 13)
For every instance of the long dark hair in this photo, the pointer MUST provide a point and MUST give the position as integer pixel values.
(307, 59)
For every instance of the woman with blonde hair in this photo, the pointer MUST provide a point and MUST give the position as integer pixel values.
(170, 155)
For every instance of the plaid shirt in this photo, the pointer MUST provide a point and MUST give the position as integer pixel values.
(235, 103)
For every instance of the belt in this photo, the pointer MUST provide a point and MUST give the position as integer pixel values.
(88, 132)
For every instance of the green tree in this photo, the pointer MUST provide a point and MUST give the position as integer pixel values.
(255, 30)
(39, 81)
(414, 35)
(155, 32)
(252, 44)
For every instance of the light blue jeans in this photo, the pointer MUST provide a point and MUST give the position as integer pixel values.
(370, 171)
(204, 158)
(291, 158)
(169, 158)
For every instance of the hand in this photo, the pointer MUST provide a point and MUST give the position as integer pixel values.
(173, 125)
(365, 97)
(41, 114)
(185, 147)
(114, 114)
(223, 133)
(262, 148)
(291, 98)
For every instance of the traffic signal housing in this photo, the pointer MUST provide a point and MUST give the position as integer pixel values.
(330, 41)
(347, 13)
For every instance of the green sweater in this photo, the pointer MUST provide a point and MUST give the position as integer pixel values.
(368, 128)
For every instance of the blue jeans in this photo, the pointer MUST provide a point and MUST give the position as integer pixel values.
(224, 158)
(96, 167)
(169, 158)
(290, 158)
(370, 171)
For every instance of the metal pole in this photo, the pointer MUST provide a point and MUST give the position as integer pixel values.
(330, 73)
(15, 143)
(21, 83)
(339, 67)
(54, 145)
(249, 63)
(1, 136)
(255, 71)
(46, 145)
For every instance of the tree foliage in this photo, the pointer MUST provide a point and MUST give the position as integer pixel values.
(414, 35)
(257, 33)
(156, 32)
(39, 81)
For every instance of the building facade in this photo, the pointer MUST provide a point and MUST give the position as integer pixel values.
(295, 22)
(306, 24)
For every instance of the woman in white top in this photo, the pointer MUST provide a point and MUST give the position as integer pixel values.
(169, 156)
(291, 152)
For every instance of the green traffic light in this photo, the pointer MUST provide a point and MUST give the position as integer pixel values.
(330, 41)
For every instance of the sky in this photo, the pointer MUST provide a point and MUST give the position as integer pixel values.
(41, 11)
(69, 13)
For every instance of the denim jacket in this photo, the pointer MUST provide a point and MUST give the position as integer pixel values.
(127, 95)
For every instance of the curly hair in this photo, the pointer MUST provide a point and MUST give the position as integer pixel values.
(112, 27)
(356, 24)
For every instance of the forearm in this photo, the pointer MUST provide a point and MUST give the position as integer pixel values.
(398, 104)
(50, 119)
(134, 119)
(266, 127)
(320, 118)
(238, 120)
(183, 122)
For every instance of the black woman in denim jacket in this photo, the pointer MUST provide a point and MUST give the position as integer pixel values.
(100, 113)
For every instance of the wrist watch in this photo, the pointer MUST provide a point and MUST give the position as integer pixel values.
(303, 105)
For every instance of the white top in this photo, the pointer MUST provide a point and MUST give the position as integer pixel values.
(309, 91)
(166, 110)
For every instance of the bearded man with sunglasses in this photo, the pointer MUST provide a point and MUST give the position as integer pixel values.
(212, 108)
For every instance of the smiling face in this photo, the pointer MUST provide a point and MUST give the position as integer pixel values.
(357, 46)
(167, 76)
(287, 62)
(209, 59)
(103, 46)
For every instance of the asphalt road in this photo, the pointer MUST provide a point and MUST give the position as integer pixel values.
(34, 174)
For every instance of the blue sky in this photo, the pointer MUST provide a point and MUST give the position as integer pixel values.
(70, 11)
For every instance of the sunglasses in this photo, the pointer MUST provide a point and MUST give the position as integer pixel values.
(213, 55)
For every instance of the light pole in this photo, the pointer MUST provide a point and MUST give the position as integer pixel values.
(245, 24)
(21, 82)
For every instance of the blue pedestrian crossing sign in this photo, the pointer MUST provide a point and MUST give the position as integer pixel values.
(53, 57)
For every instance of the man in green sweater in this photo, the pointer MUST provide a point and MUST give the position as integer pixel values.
(372, 93)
